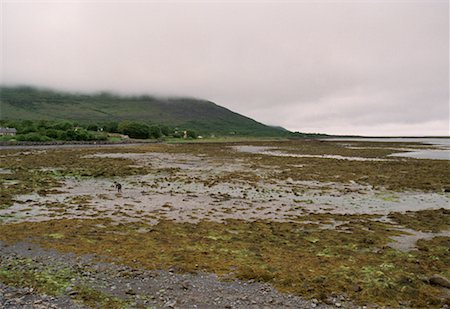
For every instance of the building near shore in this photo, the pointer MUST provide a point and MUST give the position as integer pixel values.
(8, 131)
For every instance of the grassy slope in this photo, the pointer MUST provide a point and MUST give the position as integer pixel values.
(35, 104)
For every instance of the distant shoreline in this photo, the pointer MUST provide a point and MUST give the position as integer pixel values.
(66, 144)
(131, 142)
(370, 137)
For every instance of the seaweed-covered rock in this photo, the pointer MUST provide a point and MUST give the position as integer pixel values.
(440, 280)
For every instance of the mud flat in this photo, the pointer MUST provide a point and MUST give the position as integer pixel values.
(339, 223)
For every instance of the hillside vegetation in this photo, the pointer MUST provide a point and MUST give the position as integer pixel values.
(205, 117)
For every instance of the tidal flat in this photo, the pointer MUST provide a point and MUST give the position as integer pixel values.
(327, 223)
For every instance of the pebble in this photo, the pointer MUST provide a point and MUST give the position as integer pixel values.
(130, 292)
(158, 290)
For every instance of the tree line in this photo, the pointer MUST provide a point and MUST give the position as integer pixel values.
(48, 130)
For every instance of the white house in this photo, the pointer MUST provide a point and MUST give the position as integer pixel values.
(8, 131)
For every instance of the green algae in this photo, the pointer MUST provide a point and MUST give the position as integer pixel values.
(95, 298)
(428, 220)
(21, 272)
(296, 258)
(54, 280)
(393, 174)
(43, 171)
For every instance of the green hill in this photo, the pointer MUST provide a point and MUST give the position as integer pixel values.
(28, 103)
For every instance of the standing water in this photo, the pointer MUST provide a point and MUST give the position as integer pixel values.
(441, 152)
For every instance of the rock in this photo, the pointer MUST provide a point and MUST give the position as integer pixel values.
(130, 292)
(73, 292)
(185, 285)
(440, 280)
(70, 291)
(170, 304)
(338, 305)
(356, 288)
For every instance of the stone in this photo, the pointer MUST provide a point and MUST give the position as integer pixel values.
(185, 285)
(356, 288)
(72, 293)
(170, 304)
(130, 292)
(440, 280)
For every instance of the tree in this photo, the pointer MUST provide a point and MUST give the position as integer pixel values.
(26, 126)
(92, 127)
(63, 125)
(43, 124)
(53, 133)
(155, 132)
(112, 127)
(134, 129)
(77, 135)
(33, 137)
(165, 130)
(191, 134)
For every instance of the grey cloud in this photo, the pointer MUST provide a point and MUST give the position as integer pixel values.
(351, 67)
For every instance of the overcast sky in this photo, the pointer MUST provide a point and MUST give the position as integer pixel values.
(339, 67)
